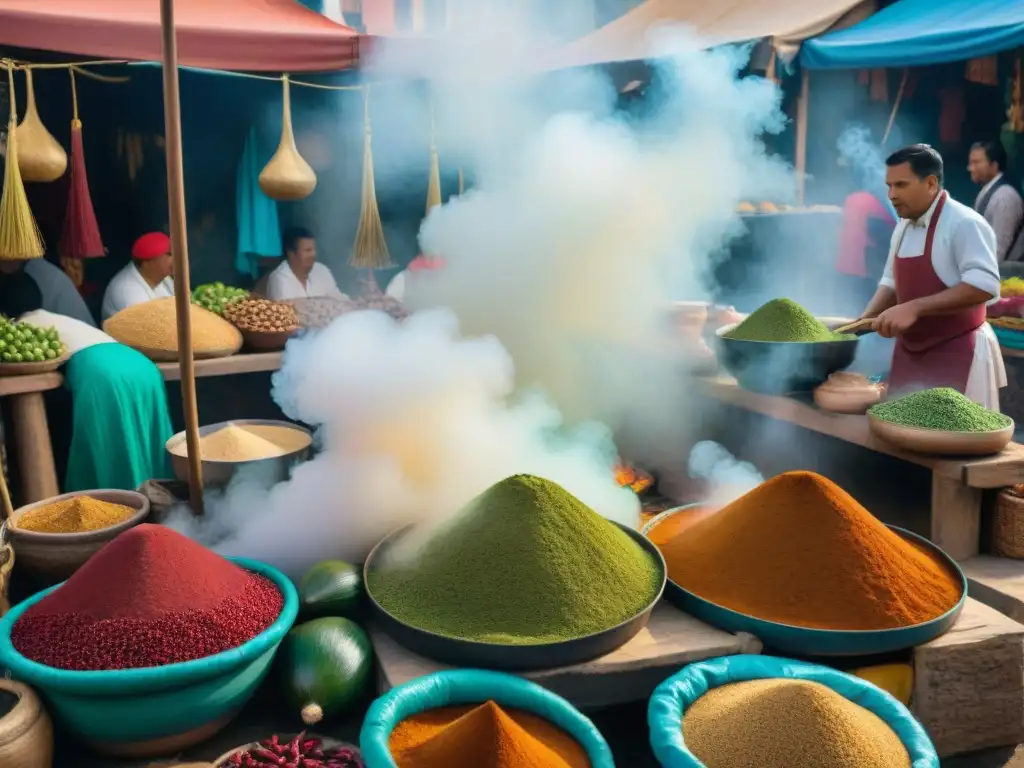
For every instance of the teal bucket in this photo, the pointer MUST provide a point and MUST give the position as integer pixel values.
(469, 686)
(130, 706)
(673, 697)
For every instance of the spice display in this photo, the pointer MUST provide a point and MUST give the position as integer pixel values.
(319, 311)
(151, 325)
(250, 442)
(262, 315)
(788, 724)
(799, 550)
(300, 751)
(783, 320)
(942, 408)
(485, 735)
(1011, 286)
(331, 588)
(670, 526)
(525, 563)
(326, 666)
(216, 296)
(76, 515)
(148, 598)
(25, 343)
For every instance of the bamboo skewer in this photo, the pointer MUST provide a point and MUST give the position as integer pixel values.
(179, 252)
(802, 108)
(896, 105)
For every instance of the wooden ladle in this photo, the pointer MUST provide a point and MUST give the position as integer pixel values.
(857, 326)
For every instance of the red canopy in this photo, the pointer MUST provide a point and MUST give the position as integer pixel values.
(263, 35)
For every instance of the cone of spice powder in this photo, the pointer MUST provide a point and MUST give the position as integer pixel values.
(799, 550)
(150, 597)
(485, 735)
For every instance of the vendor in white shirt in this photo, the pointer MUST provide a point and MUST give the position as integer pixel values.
(148, 276)
(940, 275)
(299, 275)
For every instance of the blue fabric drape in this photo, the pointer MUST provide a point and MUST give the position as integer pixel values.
(914, 33)
(259, 231)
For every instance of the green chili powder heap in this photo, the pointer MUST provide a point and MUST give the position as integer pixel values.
(525, 563)
(942, 408)
(783, 320)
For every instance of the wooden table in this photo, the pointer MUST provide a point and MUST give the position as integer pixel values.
(957, 483)
(32, 433)
(258, 362)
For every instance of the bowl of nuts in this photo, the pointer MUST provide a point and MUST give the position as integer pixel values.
(266, 325)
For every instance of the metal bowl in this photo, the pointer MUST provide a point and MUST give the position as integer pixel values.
(804, 641)
(940, 442)
(471, 653)
(219, 473)
(780, 367)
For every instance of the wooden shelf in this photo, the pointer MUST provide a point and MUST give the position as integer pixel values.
(36, 382)
(259, 362)
(1006, 468)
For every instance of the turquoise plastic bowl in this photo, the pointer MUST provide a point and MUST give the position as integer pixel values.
(803, 641)
(132, 706)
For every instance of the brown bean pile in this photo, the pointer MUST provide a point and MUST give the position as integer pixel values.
(319, 311)
(262, 315)
(383, 303)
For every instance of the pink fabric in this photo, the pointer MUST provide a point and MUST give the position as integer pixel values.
(266, 35)
(858, 209)
(422, 262)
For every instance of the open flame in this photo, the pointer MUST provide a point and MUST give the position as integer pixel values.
(630, 477)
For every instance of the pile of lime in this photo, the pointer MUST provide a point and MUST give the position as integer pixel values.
(216, 296)
(24, 343)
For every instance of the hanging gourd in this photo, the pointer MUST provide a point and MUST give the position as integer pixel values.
(40, 156)
(287, 176)
(80, 238)
(370, 250)
(434, 180)
(19, 234)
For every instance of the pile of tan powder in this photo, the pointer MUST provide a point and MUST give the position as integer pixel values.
(784, 723)
(250, 442)
(152, 327)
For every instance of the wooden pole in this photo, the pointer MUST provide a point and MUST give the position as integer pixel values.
(801, 135)
(896, 105)
(179, 252)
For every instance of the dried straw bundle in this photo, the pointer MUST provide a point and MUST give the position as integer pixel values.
(370, 250)
(20, 237)
(434, 180)
(80, 238)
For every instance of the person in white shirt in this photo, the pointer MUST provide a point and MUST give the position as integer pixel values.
(998, 201)
(396, 288)
(940, 275)
(299, 275)
(148, 276)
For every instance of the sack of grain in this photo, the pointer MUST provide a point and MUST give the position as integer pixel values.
(151, 328)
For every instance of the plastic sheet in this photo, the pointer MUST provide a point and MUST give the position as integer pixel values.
(467, 686)
(674, 696)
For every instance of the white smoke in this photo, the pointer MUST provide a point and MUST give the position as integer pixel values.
(866, 158)
(727, 477)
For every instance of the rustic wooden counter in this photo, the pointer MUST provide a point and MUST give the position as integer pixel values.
(258, 362)
(32, 433)
(957, 483)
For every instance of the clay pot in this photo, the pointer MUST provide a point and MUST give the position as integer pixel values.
(287, 176)
(40, 156)
(26, 733)
(846, 392)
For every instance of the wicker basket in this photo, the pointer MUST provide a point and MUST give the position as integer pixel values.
(6, 566)
(26, 733)
(1008, 523)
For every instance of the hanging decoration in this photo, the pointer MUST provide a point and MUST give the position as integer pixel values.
(80, 238)
(434, 180)
(19, 234)
(1016, 111)
(462, 186)
(983, 71)
(370, 250)
(40, 156)
(287, 176)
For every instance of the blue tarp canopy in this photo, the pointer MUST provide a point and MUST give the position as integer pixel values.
(914, 33)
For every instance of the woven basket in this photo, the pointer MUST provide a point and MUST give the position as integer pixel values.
(6, 566)
(26, 733)
(1008, 523)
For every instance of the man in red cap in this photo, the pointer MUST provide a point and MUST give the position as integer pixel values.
(146, 277)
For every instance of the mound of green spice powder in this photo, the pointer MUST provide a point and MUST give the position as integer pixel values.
(525, 563)
(783, 320)
(942, 408)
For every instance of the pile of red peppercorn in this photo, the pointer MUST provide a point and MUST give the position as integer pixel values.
(300, 752)
(150, 597)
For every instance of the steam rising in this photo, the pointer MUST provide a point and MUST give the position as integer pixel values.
(727, 477)
(866, 158)
(561, 261)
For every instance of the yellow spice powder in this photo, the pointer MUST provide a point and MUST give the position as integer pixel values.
(77, 515)
(784, 723)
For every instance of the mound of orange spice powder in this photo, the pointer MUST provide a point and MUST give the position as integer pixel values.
(485, 736)
(800, 550)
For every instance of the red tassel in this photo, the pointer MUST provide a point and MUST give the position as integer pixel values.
(81, 236)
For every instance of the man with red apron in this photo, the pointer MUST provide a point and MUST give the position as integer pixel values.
(940, 275)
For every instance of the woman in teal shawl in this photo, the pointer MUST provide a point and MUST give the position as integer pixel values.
(120, 420)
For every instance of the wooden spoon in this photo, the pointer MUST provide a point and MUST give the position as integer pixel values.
(862, 325)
